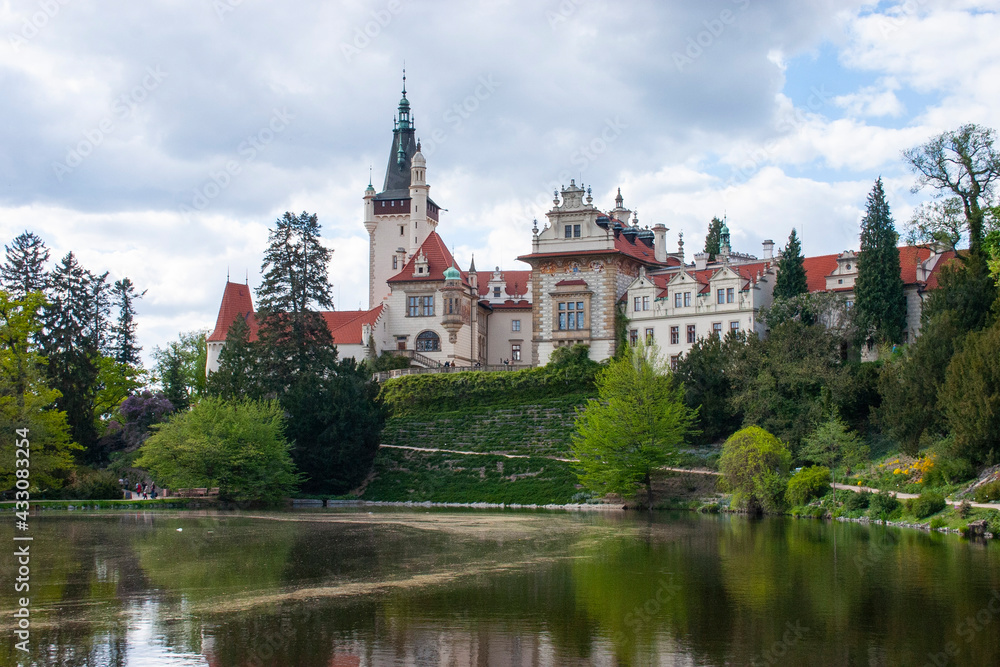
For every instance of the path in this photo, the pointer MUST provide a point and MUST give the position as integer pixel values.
(906, 496)
(697, 471)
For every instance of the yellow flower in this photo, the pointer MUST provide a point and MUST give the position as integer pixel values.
(896, 471)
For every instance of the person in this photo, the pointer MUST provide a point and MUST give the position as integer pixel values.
(447, 364)
(138, 489)
(145, 492)
(154, 490)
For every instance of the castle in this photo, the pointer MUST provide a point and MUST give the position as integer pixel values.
(586, 269)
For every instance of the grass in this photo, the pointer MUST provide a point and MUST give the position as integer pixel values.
(403, 475)
(159, 503)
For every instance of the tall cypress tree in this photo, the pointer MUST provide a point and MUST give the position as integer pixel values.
(239, 373)
(714, 238)
(125, 347)
(791, 279)
(24, 270)
(879, 303)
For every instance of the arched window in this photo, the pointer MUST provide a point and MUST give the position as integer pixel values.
(428, 341)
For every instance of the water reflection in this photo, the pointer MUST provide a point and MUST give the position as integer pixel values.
(428, 588)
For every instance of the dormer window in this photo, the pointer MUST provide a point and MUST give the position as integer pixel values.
(420, 269)
(496, 292)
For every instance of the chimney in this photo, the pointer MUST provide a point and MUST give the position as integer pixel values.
(700, 261)
(660, 242)
(768, 249)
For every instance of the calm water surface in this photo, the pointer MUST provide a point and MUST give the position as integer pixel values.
(335, 588)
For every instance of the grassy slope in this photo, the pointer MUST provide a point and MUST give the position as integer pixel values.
(539, 429)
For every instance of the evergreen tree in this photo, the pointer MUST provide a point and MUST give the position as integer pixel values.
(714, 239)
(125, 348)
(791, 279)
(24, 271)
(238, 376)
(171, 365)
(880, 306)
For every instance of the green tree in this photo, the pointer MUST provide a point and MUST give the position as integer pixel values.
(705, 373)
(964, 166)
(24, 270)
(633, 427)
(239, 447)
(791, 280)
(180, 368)
(26, 401)
(125, 346)
(754, 465)
(880, 306)
(239, 372)
(713, 239)
(971, 397)
(832, 444)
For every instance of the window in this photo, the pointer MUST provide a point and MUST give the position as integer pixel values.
(687, 299)
(400, 342)
(427, 306)
(849, 304)
(633, 337)
(412, 309)
(515, 351)
(568, 231)
(649, 336)
(515, 325)
(496, 292)
(734, 326)
(402, 229)
(637, 304)
(428, 341)
(395, 262)
(419, 306)
(691, 333)
(675, 335)
(645, 303)
(576, 231)
(717, 329)
(675, 361)
(570, 315)
(720, 296)
(730, 295)
(677, 300)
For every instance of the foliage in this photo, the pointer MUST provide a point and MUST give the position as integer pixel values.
(966, 291)
(992, 246)
(948, 471)
(569, 371)
(240, 371)
(987, 493)
(808, 483)
(126, 348)
(858, 397)
(859, 500)
(92, 485)
(26, 400)
(882, 505)
(831, 444)
(779, 381)
(962, 165)
(180, 368)
(704, 372)
(925, 504)
(826, 308)
(754, 465)
(791, 280)
(714, 237)
(116, 382)
(387, 361)
(633, 426)
(880, 306)
(971, 397)
(239, 447)
(24, 270)
(139, 413)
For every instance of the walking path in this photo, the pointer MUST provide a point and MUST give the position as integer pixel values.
(905, 496)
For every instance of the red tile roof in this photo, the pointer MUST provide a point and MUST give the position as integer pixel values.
(346, 325)
(818, 268)
(510, 304)
(438, 257)
(515, 282)
(746, 271)
(236, 302)
(566, 283)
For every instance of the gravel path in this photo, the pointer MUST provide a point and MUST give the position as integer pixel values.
(904, 496)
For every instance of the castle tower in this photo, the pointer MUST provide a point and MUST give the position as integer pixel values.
(400, 217)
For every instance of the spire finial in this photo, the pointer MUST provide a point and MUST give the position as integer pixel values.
(247, 279)
(404, 78)
(227, 274)
(369, 175)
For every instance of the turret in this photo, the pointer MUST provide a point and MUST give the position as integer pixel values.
(418, 198)
(452, 295)
(370, 222)
(660, 242)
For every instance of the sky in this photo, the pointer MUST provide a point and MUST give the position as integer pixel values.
(160, 140)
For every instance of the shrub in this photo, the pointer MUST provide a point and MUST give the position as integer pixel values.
(93, 485)
(808, 483)
(926, 504)
(989, 492)
(949, 471)
(882, 505)
(754, 466)
(938, 522)
(857, 501)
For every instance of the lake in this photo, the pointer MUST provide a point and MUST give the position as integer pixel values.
(421, 586)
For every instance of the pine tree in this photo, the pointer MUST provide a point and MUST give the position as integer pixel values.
(791, 271)
(238, 376)
(125, 348)
(714, 239)
(24, 271)
(879, 302)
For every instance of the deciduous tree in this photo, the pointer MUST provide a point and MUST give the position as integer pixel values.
(754, 465)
